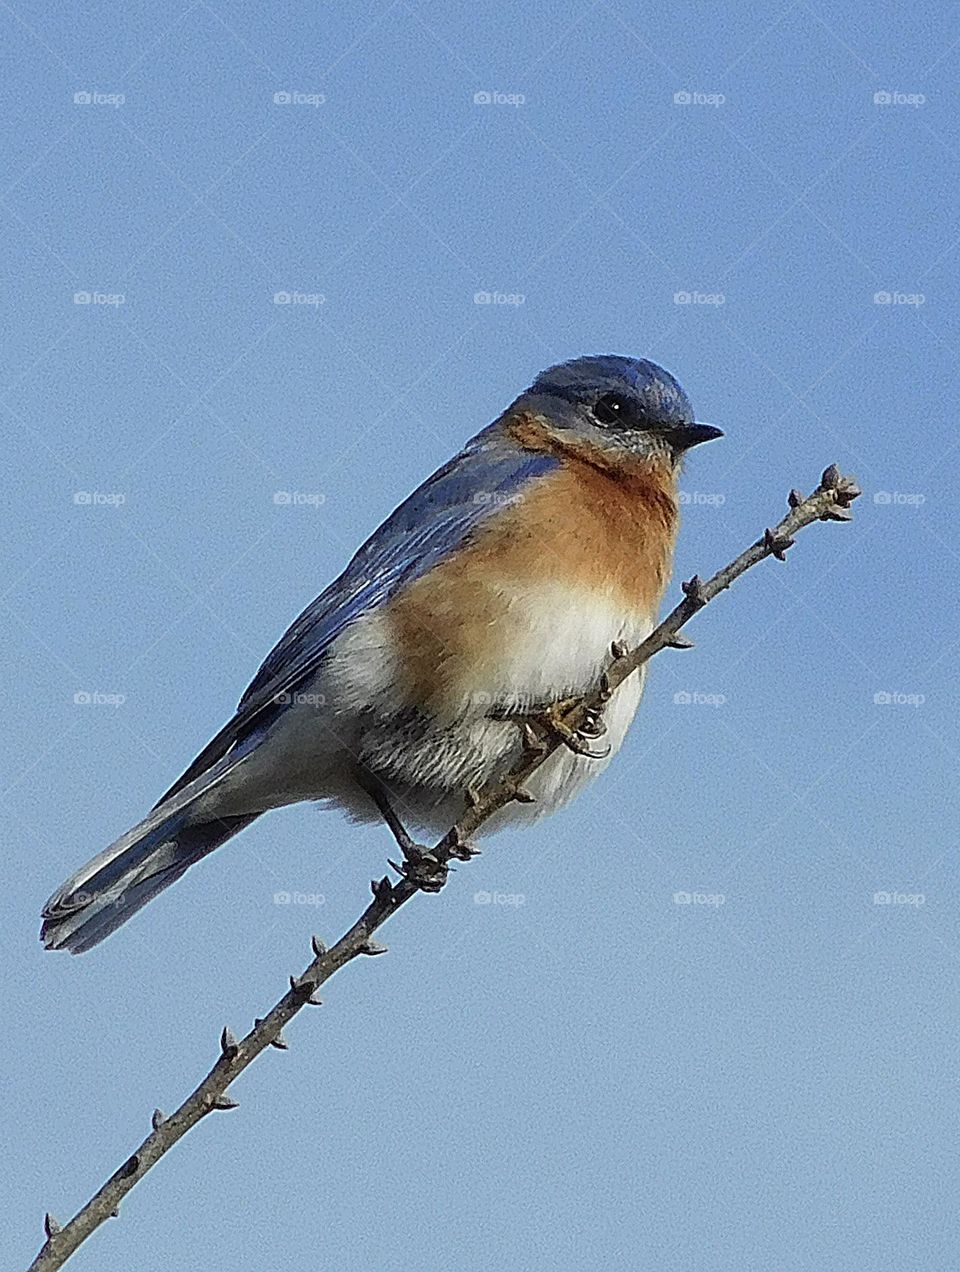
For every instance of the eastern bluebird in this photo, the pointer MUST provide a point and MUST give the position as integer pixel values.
(494, 592)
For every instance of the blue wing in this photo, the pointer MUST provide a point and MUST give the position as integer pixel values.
(487, 475)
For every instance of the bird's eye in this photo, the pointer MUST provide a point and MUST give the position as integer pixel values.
(612, 408)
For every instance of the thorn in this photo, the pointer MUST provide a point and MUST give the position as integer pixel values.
(836, 512)
(693, 588)
(523, 796)
(776, 544)
(604, 692)
(313, 1001)
(382, 889)
(157, 1119)
(795, 498)
(618, 649)
(318, 946)
(830, 478)
(228, 1042)
(303, 986)
(372, 947)
(279, 1042)
(224, 1102)
(115, 1213)
(51, 1226)
(678, 641)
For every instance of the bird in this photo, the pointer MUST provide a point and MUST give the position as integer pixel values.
(494, 593)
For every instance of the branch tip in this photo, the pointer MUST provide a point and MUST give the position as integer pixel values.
(51, 1226)
(318, 946)
(795, 498)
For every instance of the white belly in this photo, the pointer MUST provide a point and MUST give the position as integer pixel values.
(555, 644)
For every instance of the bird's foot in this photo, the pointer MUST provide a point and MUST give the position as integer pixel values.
(551, 723)
(421, 868)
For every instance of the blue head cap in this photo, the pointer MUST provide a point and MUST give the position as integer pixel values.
(619, 402)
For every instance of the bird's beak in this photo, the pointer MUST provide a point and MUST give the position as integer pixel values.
(686, 435)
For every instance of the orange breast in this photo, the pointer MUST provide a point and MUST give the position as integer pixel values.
(601, 527)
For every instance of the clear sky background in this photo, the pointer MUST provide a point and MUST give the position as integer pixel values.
(586, 1074)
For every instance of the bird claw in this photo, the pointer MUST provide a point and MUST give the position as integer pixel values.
(576, 740)
(421, 868)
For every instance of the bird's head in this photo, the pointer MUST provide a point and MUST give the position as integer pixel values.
(618, 404)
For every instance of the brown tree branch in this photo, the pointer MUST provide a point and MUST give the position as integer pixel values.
(830, 501)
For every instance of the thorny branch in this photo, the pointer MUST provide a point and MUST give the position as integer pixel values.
(425, 871)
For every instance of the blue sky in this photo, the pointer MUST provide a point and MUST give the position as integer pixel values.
(580, 1071)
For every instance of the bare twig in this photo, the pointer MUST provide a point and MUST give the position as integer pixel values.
(830, 501)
